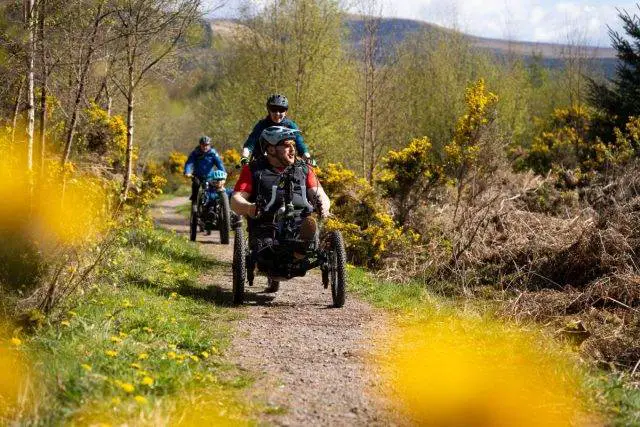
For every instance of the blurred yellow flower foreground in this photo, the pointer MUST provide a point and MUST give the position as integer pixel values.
(460, 372)
(60, 204)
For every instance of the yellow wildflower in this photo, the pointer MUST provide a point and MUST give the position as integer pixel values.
(16, 341)
(143, 356)
(127, 387)
(205, 355)
(173, 295)
(147, 381)
(136, 365)
(115, 339)
(123, 334)
(86, 367)
(111, 353)
(65, 323)
(140, 399)
(171, 355)
(194, 358)
(214, 350)
(180, 357)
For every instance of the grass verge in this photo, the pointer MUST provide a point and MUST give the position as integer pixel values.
(144, 345)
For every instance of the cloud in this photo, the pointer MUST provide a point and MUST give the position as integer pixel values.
(525, 20)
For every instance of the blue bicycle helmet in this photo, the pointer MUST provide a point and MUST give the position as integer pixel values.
(273, 135)
(218, 175)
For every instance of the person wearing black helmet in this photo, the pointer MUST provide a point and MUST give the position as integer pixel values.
(259, 195)
(200, 163)
(277, 107)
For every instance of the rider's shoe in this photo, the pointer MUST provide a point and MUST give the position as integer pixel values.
(273, 286)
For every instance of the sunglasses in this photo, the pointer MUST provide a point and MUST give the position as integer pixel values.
(278, 109)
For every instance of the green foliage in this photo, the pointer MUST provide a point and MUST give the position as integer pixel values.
(106, 135)
(470, 146)
(292, 47)
(360, 214)
(410, 175)
(620, 99)
(146, 334)
(567, 144)
(386, 294)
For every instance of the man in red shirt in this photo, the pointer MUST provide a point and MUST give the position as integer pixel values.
(260, 191)
(280, 149)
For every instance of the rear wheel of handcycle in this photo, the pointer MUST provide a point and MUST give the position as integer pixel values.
(337, 268)
(225, 221)
(239, 266)
(193, 222)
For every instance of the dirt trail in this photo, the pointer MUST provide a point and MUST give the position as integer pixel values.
(310, 359)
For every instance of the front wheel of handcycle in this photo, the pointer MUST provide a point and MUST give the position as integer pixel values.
(193, 222)
(225, 218)
(337, 268)
(239, 266)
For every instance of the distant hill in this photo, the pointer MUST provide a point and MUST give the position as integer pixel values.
(394, 31)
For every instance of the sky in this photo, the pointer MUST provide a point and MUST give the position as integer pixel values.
(584, 21)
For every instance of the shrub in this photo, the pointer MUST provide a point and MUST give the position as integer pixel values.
(567, 144)
(410, 175)
(107, 136)
(361, 215)
(54, 229)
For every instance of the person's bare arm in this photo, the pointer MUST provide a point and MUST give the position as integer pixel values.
(320, 200)
(241, 205)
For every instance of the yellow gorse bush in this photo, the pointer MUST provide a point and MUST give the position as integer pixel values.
(566, 144)
(176, 162)
(465, 147)
(51, 221)
(369, 231)
(107, 134)
(60, 206)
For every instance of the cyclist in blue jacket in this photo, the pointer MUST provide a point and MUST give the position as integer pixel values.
(277, 106)
(200, 163)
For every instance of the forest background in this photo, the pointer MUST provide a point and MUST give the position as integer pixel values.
(476, 172)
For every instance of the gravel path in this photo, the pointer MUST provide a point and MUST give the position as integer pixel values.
(309, 358)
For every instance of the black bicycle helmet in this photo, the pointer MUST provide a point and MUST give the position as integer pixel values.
(205, 140)
(277, 100)
(273, 135)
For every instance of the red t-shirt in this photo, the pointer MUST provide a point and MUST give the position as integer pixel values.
(245, 181)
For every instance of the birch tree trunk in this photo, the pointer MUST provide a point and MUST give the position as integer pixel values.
(80, 84)
(43, 90)
(129, 167)
(16, 110)
(30, 18)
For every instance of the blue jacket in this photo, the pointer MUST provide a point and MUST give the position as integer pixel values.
(201, 164)
(252, 141)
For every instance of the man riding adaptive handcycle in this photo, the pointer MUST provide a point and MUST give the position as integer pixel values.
(281, 197)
